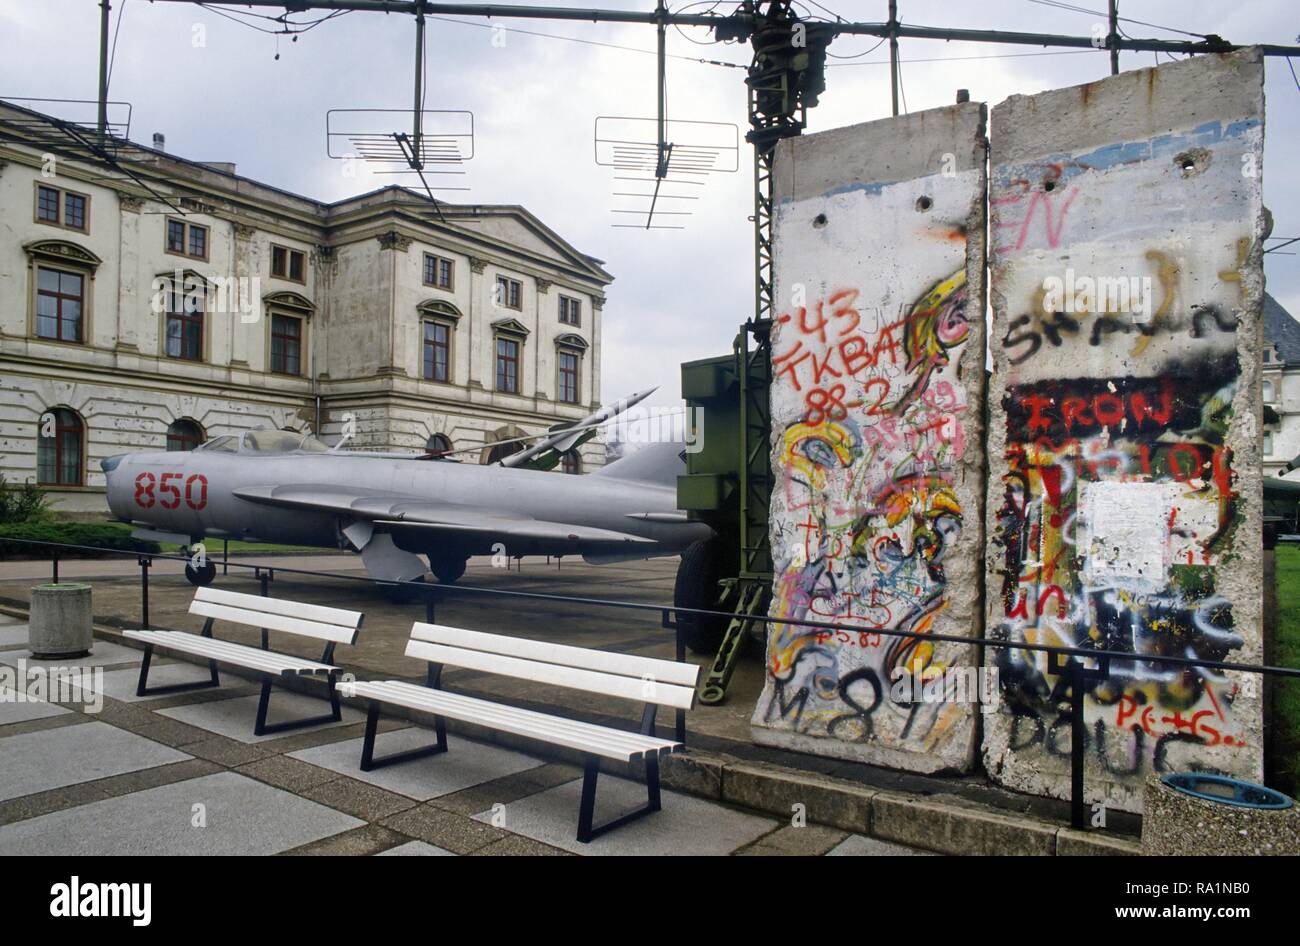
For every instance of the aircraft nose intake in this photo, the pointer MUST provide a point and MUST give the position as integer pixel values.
(109, 464)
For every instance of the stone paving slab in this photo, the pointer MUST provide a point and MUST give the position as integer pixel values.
(243, 817)
(55, 758)
(13, 711)
(415, 848)
(858, 845)
(234, 718)
(13, 634)
(686, 825)
(464, 765)
(102, 653)
(121, 684)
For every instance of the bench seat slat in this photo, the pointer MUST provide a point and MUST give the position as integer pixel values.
(488, 713)
(252, 657)
(630, 688)
(602, 661)
(274, 622)
(293, 609)
(584, 737)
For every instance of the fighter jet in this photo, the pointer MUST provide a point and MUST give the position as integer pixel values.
(287, 488)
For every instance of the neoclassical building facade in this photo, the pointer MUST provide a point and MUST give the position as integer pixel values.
(189, 302)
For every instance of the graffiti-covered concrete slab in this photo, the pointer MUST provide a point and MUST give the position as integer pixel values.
(877, 403)
(1124, 497)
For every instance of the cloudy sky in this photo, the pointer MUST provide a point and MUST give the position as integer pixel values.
(223, 91)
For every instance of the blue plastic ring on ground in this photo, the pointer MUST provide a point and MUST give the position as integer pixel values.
(1243, 794)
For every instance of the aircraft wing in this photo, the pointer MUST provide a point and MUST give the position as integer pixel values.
(394, 511)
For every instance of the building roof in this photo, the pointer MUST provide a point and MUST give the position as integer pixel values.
(1282, 331)
(37, 128)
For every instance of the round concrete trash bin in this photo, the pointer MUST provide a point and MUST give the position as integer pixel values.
(60, 624)
(1191, 813)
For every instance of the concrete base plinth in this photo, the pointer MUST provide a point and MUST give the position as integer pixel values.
(1177, 823)
(61, 621)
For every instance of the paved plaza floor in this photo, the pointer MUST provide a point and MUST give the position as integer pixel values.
(92, 769)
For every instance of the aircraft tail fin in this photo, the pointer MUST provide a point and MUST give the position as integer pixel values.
(657, 463)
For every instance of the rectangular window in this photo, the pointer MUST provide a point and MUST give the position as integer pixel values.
(570, 310)
(61, 208)
(59, 299)
(288, 264)
(509, 292)
(184, 326)
(175, 236)
(437, 351)
(438, 272)
(187, 239)
(74, 211)
(569, 377)
(286, 344)
(47, 204)
(508, 365)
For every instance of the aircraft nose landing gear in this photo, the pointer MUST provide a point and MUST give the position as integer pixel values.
(199, 575)
(448, 567)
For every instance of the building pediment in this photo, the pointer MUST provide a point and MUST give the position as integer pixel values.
(62, 251)
(438, 308)
(286, 299)
(572, 341)
(509, 327)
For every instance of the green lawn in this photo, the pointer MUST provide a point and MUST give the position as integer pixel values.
(1285, 721)
(238, 547)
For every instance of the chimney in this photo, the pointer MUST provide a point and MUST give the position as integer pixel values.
(159, 141)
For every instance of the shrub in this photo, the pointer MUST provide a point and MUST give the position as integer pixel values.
(25, 503)
(99, 535)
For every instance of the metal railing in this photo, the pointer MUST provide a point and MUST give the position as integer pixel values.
(1063, 661)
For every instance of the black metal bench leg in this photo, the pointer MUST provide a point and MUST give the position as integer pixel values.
(587, 808)
(143, 689)
(590, 772)
(368, 760)
(262, 728)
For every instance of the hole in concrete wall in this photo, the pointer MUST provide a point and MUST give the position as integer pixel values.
(924, 203)
(1193, 162)
(819, 221)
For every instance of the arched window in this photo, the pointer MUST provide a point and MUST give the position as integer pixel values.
(1268, 390)
(60, 448)
(503, 450)
(570, 462)
(438, 443)
(184, 434)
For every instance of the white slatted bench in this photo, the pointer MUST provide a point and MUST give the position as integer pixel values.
(331, 625)
(649, 681)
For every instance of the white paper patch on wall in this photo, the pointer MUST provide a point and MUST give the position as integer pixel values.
(1126, 534)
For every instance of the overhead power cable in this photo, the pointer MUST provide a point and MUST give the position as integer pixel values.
(1123, 19)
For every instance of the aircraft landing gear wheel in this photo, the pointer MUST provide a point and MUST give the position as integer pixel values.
(703, 566)
(448, 569)
(201, 576)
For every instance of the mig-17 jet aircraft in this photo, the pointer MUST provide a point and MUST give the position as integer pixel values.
(289, 488)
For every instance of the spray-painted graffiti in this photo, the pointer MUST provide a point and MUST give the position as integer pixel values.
(867, 479)
(1118, 504)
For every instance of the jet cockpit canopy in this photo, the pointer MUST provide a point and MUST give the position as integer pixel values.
(265, 442)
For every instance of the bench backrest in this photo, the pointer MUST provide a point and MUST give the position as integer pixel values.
(276, 614)
(644, 679)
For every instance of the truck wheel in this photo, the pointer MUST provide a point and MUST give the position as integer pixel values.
(703, 565)
(448, 569)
